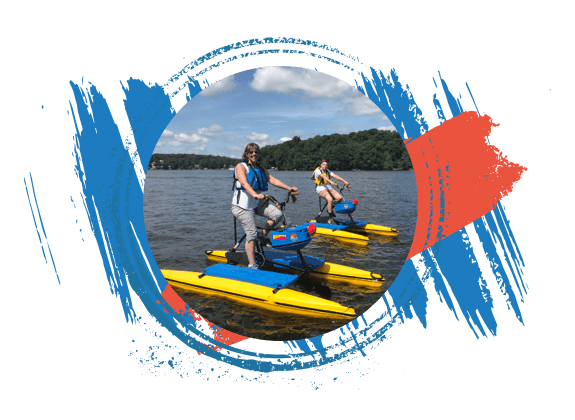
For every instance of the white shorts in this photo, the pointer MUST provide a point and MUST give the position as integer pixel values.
(319, 188)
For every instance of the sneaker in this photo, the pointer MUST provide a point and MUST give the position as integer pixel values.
(332, 221)
(254, 266)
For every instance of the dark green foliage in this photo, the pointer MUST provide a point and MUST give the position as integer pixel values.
(369, 150)
(190, 161)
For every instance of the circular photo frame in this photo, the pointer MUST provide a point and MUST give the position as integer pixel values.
(463, 255)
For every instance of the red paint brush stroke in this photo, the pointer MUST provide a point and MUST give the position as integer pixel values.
(455, 160)
(177, 304)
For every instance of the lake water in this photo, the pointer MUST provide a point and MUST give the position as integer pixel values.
(189, 211)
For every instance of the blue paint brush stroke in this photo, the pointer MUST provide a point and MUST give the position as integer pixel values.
(505, 239)
(41, 225)
(114, 195)
(439, 109)
(454, 105)
(35, 224)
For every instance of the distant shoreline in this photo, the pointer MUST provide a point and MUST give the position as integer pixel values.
(282, 170)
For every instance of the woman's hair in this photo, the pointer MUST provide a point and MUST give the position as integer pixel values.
(249, 148)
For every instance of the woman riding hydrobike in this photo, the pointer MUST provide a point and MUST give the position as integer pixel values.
(250, 180)
(323, 187)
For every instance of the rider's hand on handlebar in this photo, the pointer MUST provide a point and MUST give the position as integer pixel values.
(259, 197)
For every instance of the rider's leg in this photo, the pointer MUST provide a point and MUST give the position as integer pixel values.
(336, 195)
(325, 194)
(273, 214)
(247, 219)
(250, 245)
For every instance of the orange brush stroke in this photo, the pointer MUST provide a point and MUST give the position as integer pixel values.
(460, 177)
(220, 334)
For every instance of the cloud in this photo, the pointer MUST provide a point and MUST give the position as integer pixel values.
(263, 140)
(220, 87)
(258, 137)
(212, 131)
(167, 134)
(183, 138)
(191, 138)
(358, 104)
(390, 128)
(313, 84)
(294, 81)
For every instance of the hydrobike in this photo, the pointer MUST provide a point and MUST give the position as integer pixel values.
(342, 227)
(269, 289)
(287, 262)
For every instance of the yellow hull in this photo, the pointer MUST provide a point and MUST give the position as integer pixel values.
(284, 300)
(379, 230)
(328, 271)
(368, 228)
(342, 235)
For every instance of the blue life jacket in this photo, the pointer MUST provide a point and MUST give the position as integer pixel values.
(256, 179)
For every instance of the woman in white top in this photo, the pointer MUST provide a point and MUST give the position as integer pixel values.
(250, 180)
(323, 186)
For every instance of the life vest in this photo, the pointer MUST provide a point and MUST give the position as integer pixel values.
(319, 180)
(257, 180)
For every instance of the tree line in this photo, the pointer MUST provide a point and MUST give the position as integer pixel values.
(190, 161)
(368, 150)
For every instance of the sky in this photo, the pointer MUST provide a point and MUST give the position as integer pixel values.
(268, 106)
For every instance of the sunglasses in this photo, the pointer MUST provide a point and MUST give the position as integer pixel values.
(257, 152)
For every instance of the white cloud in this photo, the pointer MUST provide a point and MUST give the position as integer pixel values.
(293, 81)
(390, 128)
(167, 134)
(220, 87)
(190, 138)
(258, 137)
(358, 104)
(212, 131)
(202, 136)
(262, 140)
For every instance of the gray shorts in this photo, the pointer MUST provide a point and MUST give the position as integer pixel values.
(248, 218)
